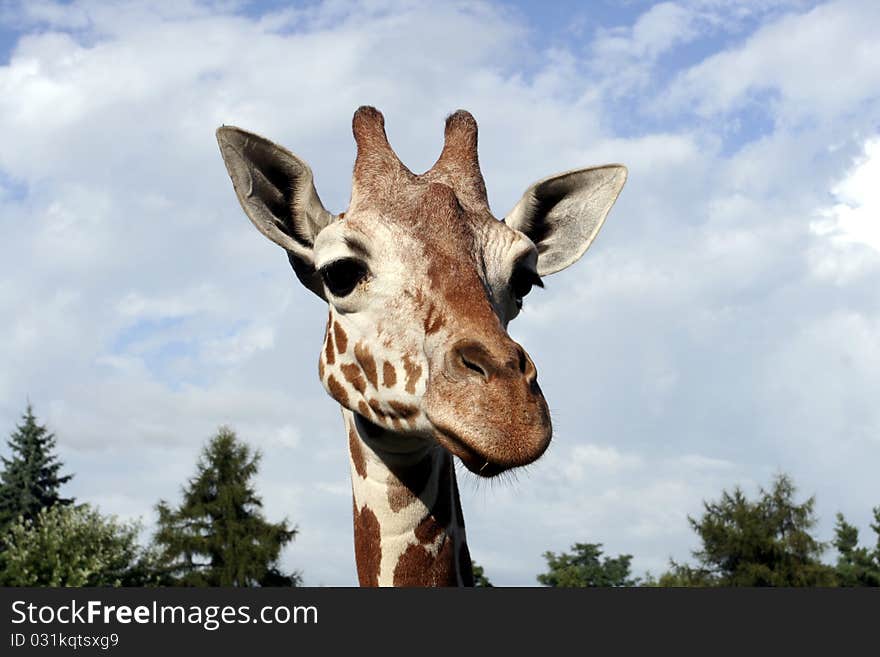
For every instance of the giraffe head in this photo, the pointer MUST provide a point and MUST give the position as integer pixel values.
(422, 280)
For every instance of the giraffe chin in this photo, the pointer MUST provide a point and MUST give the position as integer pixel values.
(471, 459)
(492, 426)
(479, 463)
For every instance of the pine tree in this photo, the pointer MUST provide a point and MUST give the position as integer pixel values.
(765, 542)
(30, 480)
(856, 566)
(480, 579)
(218, 536)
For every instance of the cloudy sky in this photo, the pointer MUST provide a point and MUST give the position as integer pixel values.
(724, 327)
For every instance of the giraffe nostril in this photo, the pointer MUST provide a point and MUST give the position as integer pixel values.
(527, 368)
(470, 357)
(523, 360)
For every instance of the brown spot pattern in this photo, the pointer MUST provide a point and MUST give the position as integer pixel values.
(399, 496)
(376, 405)
(416, 567)
(337, 391)
(367, 546)
(352, 374)
(329, 354)
(341, 338)
(428, 529)
(444, 566)
(413, 372)
(321, 369)
(363, 409)
(357, 453)
(405, 411)
(434, 321)
(368, 364)
(389, 376)
(406, 484)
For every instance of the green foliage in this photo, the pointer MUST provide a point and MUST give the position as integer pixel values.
(30, 480)
(766, 542)
(680, 575)
(480, 578)
(856, 566)
(583, 568)
(218, 536)
(74, 546)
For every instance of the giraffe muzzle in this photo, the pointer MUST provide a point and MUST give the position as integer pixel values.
(486, 406)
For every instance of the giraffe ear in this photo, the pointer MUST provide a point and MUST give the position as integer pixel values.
(562, 214)
(277, 193)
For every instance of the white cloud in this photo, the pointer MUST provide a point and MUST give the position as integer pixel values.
(586, 460)
(240, 346)
(627, 54)
(849, 245)
(805, 63)
(202, 298)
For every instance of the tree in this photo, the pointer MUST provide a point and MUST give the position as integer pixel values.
(218, 536)
(856, 566)
(766, 542)
(583, 568)
(680, 575)
(74, 546)
(30, 480)
(480, 579)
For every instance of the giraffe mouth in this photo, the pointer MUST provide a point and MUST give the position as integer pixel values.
(473, 460)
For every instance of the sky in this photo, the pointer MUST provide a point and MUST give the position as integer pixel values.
(723, 328)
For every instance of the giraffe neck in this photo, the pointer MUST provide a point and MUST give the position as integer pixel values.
(408, 524)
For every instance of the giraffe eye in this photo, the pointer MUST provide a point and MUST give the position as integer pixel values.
(521, 283)
(342, 276)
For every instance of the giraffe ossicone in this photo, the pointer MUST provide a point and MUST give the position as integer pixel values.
(421, 281)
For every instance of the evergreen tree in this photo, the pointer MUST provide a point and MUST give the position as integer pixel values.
(218, 536)
(582, 568)
(856, 566)
(766, 542)
(30, 480)
(480, 579)
(681, 575)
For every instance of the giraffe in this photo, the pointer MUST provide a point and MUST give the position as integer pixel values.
(421, 281)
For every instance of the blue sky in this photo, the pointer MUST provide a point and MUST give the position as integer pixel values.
(723, 327)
